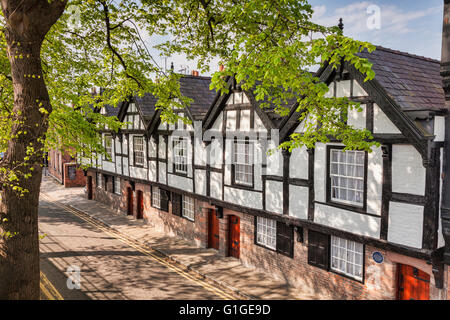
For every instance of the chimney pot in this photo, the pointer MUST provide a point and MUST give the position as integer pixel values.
(195, 73)
(221, 67)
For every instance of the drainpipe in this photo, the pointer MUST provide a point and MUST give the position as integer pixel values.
(445, 73)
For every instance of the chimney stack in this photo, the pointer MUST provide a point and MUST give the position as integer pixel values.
(445, 73)
(194, 73)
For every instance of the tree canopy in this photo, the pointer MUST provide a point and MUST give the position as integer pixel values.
(269, 46)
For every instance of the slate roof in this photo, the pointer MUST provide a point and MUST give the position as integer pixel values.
(414, 82)
(194, 87)
(197, 88)
(146, 104)
(112, 111)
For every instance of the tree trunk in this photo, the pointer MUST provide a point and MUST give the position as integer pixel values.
(27, 23)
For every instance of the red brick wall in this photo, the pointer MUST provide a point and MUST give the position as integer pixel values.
(54, 168)
(59, 171)
(194, 231)
(80, 179)
(115, 201)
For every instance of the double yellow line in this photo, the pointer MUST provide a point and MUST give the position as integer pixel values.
(151, 253)
(48, 290)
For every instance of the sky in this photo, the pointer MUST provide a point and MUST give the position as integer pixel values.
(406, 25)
(412, 26)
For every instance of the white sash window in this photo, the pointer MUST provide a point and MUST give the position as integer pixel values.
(347, 257)
(138, 151)
(156, 197)
(347, 176)
(266, 232)
(243, 163)
(180, 155)
(117, 189)
(188, 207)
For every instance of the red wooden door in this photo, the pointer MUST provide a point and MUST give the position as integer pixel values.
(213, 230)
(414, 284)
(130, 201)
(89, 188)
(140, 205)
(234, 238)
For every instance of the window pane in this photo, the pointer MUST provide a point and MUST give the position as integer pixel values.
(347, 257)
(347, 176)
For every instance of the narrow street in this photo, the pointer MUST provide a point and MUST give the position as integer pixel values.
(111, 266)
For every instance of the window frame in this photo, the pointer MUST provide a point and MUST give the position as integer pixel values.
(234, 182)
(136, 151)
(183, 196)
(108, 137)
(343, 273)
(342, 203)
(117, 182)
(274, 248)
(99, 178)
(156, 191)
(175, 142)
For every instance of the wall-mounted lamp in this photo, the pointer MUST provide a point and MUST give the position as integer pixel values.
(299, 231)
(219, 212)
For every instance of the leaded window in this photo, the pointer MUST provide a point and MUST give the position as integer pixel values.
(266, 232)
(347, 257)
(347, 176)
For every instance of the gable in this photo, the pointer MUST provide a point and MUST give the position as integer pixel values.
(381, 113)
(133, 117)
(237, 111)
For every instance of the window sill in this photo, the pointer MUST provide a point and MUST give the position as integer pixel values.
(266, 247)
(347, 276)
(361, 210)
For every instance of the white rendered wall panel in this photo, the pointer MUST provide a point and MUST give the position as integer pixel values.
(200, 182)
(152, 173)
(298, 202)
(320, 169)
(180, 182)
(405, 224)
(245, 198)
(357, 118)
(298, 163)
(346, 220)
(162, 172)
(408, 173)
(375, 181)
(216, 185)
(274, 196)
(381, 122)
(439, 128)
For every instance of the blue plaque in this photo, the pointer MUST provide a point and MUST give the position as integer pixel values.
(377, 257)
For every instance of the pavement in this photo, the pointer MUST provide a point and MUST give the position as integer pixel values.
(228, 273)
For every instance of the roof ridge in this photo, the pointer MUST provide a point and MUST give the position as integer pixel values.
(196, 77)
(407, 54)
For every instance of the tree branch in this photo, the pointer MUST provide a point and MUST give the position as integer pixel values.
(110, 46)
